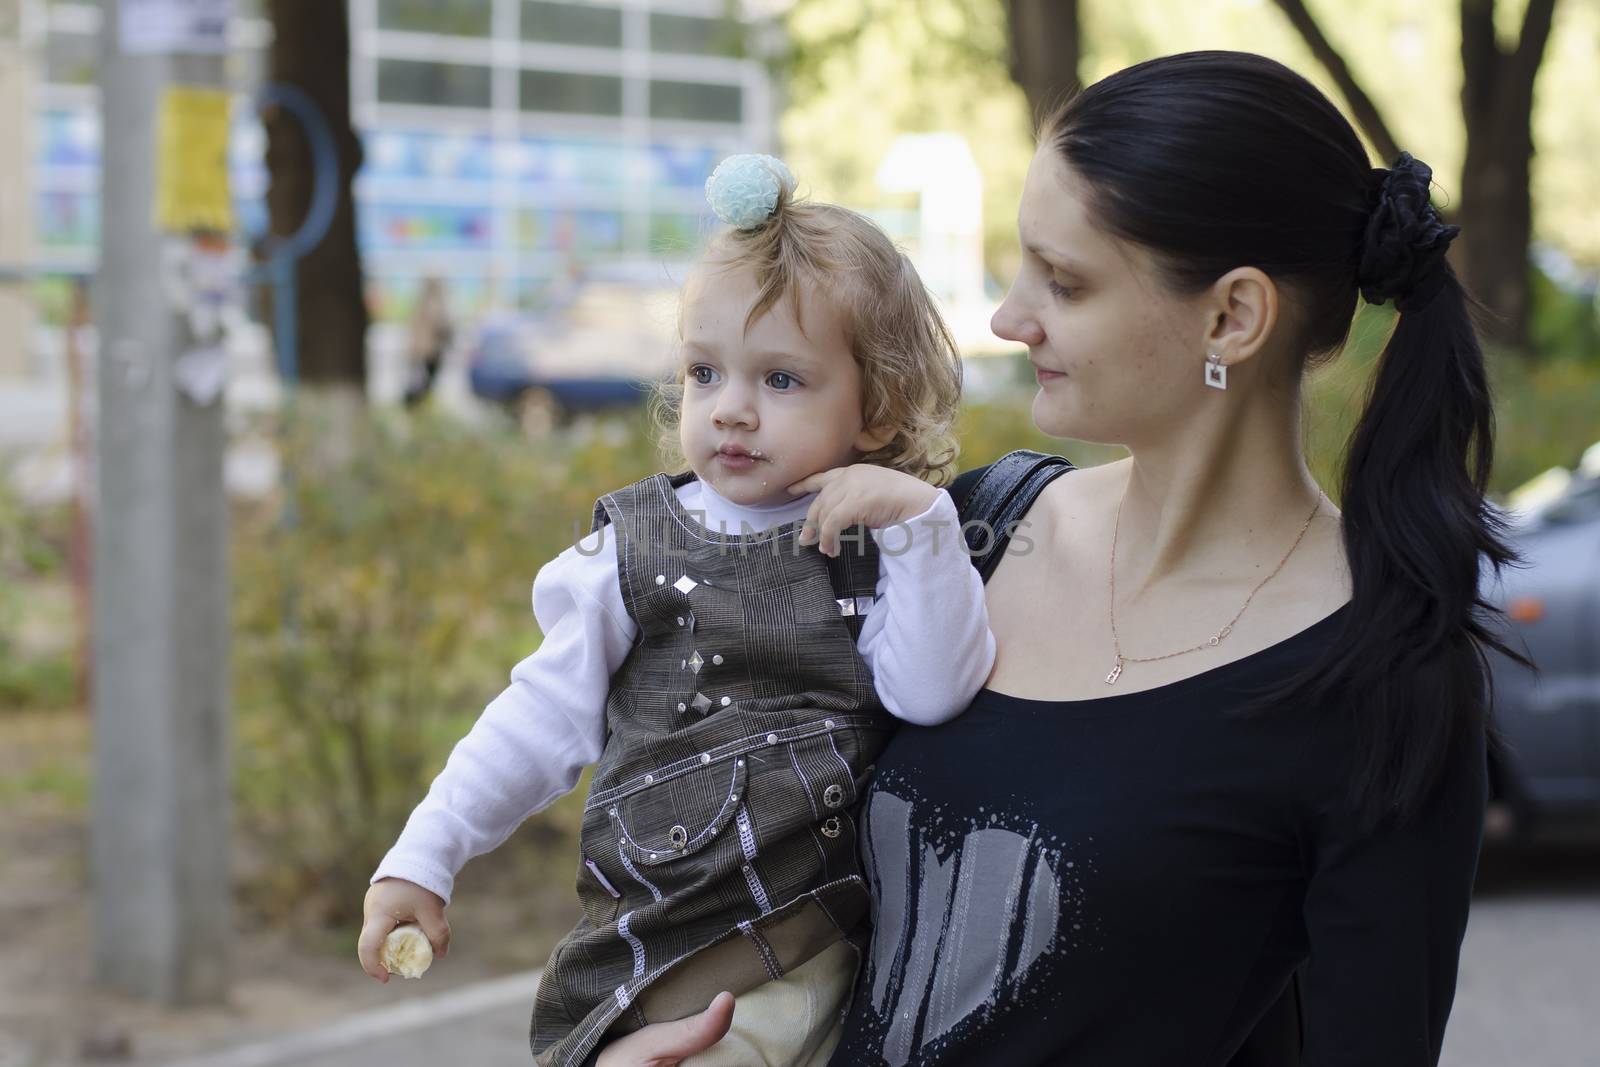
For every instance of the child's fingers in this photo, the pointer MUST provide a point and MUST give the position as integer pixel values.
(816, 513)
(437, 929)
(370, 945)
(816, 482)
(840, 514)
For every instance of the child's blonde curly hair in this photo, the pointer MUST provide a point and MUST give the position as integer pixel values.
(910, 367)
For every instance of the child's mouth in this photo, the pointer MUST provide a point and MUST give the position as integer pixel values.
(735, 458)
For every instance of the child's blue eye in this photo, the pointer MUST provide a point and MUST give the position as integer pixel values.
(780, 380)
(701, 374)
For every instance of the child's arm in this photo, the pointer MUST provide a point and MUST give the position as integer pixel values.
(926, 636)
(533, 740)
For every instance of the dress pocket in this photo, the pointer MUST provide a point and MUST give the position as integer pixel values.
(682, 815)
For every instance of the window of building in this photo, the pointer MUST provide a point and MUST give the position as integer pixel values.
(583, 24)
(696, 36)
(696, 100)
(580, 231)
(577, 94)
(468, 18)
(406, 81)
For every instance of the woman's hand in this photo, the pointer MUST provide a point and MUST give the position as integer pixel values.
(669, 1044)
(860, 493)
(390, 902)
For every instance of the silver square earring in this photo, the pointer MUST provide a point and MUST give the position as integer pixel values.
(1216, 373)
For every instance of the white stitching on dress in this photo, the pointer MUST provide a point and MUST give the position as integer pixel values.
(747, 842)
(815, 814)
(633, 943)
(641, 879)
(738, 746)
(848, 776)
(605, 1019)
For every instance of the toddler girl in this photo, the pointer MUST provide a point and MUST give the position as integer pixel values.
(734, 657)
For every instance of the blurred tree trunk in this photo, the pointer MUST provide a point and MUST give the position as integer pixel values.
(1496, 205)
(1496, 208)
(311, 51)
(1045, 50)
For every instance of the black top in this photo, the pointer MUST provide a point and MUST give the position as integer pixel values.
(1130, 880)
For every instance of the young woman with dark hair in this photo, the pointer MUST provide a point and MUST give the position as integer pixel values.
(1233, 734)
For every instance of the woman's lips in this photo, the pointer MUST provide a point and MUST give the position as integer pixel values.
(1044, 375)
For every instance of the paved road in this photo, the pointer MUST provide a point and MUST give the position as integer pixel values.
(1529, 992)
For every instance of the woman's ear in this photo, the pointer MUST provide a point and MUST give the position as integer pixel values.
(1241, 312)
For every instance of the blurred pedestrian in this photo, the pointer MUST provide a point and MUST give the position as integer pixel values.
(427, 339)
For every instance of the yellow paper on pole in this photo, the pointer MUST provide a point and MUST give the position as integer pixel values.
(192, 161)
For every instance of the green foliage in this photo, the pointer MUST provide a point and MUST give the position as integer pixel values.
(377, 608)
(38, 670)
(1565, 326)
(861, 74)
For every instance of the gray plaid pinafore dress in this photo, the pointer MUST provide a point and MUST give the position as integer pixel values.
(741, 728)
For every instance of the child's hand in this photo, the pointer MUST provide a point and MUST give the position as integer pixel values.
(390, 902)
(860, 493)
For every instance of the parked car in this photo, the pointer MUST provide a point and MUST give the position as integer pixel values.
(602, 348)
(1550, 765)
(504, 370)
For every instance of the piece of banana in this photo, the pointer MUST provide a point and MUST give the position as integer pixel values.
(406, 951)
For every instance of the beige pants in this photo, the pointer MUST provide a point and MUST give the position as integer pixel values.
(793, 1022)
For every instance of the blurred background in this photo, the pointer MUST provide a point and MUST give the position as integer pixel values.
(323, 324)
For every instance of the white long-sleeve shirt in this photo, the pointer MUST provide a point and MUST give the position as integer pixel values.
(926, 640)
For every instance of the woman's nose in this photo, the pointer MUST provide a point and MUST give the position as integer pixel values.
(1012, 322)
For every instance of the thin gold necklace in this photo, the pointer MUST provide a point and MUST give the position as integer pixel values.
(1216, 639)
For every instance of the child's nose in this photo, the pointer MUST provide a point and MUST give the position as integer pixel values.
(734, 408)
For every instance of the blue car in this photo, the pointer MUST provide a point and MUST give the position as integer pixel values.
(1550, 765)
(502, 370)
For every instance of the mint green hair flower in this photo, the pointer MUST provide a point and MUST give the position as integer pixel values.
(744, 190)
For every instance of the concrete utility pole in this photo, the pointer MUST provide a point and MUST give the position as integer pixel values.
(16, 192)
(160, 850)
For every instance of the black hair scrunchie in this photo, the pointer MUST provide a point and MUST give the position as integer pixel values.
(1402, 258)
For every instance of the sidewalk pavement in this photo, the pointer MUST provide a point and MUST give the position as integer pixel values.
(481, 1025)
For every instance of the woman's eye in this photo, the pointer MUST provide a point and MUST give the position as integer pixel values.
(1060, 290)
(780, 381)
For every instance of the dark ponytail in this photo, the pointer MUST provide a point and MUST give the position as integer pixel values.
(1216, 160)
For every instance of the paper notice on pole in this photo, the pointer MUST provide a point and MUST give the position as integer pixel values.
(192, 161)
(175, 25)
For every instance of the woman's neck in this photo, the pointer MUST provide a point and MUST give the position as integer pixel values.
(1223, 499)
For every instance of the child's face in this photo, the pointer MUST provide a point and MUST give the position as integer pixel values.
(765, 408)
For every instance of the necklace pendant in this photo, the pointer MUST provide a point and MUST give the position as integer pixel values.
(1116, 672)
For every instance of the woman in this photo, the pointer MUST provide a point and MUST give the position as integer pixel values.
(1231, 733)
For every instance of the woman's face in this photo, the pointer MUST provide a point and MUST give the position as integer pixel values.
(1119, 359)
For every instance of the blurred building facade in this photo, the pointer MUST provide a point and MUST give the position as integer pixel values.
(511, 145)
